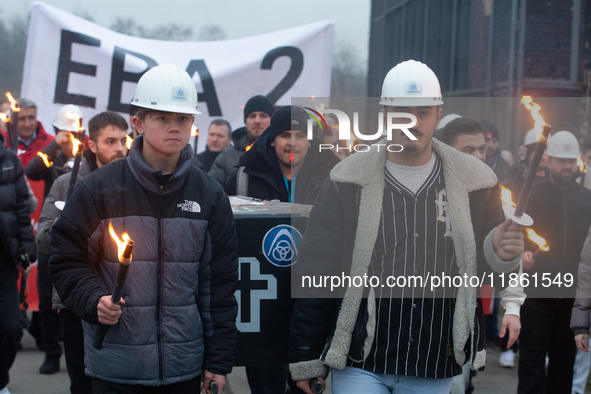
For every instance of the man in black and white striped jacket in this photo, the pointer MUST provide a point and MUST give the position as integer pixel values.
(427, 210)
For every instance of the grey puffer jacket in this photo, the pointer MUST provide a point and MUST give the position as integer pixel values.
(180, 311)
(580, 320)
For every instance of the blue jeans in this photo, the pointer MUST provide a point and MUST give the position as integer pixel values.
(355, 380)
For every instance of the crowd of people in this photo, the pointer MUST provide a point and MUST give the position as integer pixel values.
(432, 206)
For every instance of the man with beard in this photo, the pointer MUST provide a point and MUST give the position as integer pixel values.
(107, 132)
(561, 210)
(257, 117)
(384, 214)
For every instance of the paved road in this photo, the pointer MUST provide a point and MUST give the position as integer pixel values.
(25, 377)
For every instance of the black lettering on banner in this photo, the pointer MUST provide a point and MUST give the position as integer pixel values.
(297, 65)
(67, 66)
(209, 95)
(118, 76)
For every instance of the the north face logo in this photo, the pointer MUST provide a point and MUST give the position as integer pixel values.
(189, 206)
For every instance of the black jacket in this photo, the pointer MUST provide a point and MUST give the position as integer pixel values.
(562, 217)
(14, 210)
(265, 179)
(205, 159)
(38, 171)
(180, 311)
(498, 165)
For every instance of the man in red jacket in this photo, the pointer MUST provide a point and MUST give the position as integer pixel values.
(32, 137)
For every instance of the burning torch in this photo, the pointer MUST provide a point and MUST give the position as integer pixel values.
(124, 248)
(13, 134)
(541, 242)
(517, 214)
(195, 133)
(76, 149)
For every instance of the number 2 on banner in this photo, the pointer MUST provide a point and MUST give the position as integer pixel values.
(297, 65)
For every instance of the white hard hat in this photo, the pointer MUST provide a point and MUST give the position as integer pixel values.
(532, 137)
(67, 118)
(166, 88)
(446, 119)
(563, 145)
(411, 84)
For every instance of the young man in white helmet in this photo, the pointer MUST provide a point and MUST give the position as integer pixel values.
(561, 210)
(176, 319)
(430, 208)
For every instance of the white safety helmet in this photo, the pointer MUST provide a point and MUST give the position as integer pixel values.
(532, 137)
(166, 88)
(411, 84)
(446, 119)
(563, 145)
(67, 118)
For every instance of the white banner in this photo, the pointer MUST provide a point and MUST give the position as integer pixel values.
(70, 60)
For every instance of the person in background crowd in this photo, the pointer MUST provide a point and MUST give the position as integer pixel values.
(257, 117)
(5, 109)
(493, 153)
(372, 339)
(32, 137)
(561, 210)
(107, 132)
(282, 165)
(59, 152)
(177, 316)
(521, 153)
(16, 237)
(132, 111)
(219, 137)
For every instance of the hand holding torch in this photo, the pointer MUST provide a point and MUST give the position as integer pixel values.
(124, 248)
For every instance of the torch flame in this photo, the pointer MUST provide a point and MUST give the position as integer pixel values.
(194, 131)
(535, 113)
(249, 146)
(581, 165)
(541, 242)
(13, 103)
(121, 243)
(75, 144)
(76, 120)
(506, 197)
(4, 117)
(128, 143)
(45, 160)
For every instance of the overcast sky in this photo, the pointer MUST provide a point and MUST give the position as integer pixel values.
(238, 18)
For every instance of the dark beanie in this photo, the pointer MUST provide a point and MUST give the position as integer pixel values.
(289, 117)
(258, 103)
(490, 130)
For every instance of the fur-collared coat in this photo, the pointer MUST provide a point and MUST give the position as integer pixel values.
(322, 329)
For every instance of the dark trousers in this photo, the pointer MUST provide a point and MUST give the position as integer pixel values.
(266, 379)
(189, 387)
(74, 349)
(545, 328)
(10, 328)
(49, 318)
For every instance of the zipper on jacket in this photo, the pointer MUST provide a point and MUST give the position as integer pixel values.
(158, 291)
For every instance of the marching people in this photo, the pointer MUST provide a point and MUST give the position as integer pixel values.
(16, 238)
(257, 117)
(561, 210)
(107, 132)
(219, 137)
(371, 340)
(176, 319)
(59, 154)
